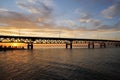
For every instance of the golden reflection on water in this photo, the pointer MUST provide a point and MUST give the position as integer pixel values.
(13, 44)
(46, 45)
(59, 64)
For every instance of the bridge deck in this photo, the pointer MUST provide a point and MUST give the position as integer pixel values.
(55, 38)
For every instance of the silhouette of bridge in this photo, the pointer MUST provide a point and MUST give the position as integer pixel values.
(30, 40)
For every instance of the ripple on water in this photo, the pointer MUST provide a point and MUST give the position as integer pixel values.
(60, 64)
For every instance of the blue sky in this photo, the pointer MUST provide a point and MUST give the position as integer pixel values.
(69, 18)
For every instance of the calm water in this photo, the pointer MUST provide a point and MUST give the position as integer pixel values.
(60, 64)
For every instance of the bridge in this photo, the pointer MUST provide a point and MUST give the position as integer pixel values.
(67, 41)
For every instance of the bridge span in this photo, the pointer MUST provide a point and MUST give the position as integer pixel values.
(103, 43)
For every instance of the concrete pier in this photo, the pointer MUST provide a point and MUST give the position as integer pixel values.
(91, 45)
(117, 45)
(69, 44)
(30, 45)
(102, 45)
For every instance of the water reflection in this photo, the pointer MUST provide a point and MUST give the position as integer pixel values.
(60, 64)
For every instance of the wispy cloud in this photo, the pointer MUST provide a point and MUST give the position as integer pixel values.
(41, 12)
(112, 11)
(3, 24)
(3, 9)
(41, 9)
(37, 6)
(16, 19)
(87, 18)
(109, 28)
(67, 23)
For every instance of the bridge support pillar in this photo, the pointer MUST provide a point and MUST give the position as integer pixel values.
(69, 44)
(102, 45)
(30, 46)
(91, 45)
(117, 45)
(0, 46)
(66, 45)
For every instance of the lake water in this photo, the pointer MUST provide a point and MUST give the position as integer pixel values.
(60, 64)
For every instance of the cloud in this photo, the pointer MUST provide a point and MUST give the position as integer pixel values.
(87, 18)
(15, 19)
(66, 23)
(117, 25)
(40, 15)
(112, 11)
(114, 27)
(95, 22)
(82, 13)
(42, 7)
(3, 9)
(41, 11)
(10, 15)
(3, 24)
(48, 3)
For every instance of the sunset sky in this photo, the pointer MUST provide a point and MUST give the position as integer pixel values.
(99, 19)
